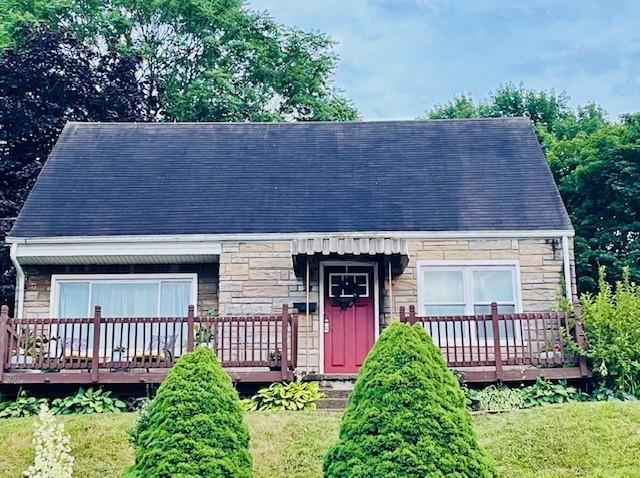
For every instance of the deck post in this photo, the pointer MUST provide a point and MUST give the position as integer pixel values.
(95, 354)
(4, 320)
(190, 327)
(497, 353)
(412, 314)
(580, 341)
(294, 341)
(285, 342)
(403, 317)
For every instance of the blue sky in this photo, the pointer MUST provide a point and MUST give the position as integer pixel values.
(398, 58)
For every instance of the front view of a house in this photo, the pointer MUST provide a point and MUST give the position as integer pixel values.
(295, 244)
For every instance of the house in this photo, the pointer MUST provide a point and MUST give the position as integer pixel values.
(294, 243)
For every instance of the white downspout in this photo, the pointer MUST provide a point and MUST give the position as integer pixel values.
(567, 268)
(19, 304)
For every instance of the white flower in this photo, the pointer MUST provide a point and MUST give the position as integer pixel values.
(53, 453)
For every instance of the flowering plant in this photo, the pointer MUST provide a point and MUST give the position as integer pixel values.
(53, 457)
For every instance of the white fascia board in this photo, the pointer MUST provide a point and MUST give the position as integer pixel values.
(195, 238)
(121, 248)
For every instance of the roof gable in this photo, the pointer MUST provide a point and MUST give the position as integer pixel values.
(223, 178)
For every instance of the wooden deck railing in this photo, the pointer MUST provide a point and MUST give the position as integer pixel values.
(103, 346)
(495, 342)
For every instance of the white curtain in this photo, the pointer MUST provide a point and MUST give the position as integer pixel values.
(73, 299)
(126, 299)
(174, 298)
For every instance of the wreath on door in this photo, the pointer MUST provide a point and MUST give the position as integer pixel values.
(348, 293)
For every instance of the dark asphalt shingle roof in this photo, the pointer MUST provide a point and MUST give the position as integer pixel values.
(215, 178)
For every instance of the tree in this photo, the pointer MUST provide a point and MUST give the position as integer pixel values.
(595, 164)
(194, 427)
(52, 79)
(207, 60)
(407, 416)
(598, 174)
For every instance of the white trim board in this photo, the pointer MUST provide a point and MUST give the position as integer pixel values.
(484, 234)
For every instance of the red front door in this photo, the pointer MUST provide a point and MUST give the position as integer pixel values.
(349, 317)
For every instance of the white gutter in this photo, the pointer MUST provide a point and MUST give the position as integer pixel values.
(567, 268)
(511, 234)
(19, 293)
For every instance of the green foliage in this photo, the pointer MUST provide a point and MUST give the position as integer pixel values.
(194, 427)
(206, 60)
(603, 394)
(406, 416)
(612, 327)
(87, 401)
(496, 398)
(292, 396)
(544, 392)
(596, 165)
(24, 406)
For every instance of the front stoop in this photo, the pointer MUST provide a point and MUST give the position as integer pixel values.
(336, 393)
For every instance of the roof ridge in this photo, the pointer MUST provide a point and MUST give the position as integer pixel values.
(301, 123)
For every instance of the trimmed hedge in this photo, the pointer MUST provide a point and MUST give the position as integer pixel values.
(194, 427)
(406, 417)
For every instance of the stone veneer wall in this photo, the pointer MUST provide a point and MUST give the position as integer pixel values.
(38, 282)
(258, 278)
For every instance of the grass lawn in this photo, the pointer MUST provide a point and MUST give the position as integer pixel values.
(578, 440)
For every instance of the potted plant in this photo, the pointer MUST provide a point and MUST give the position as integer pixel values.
(117, 353)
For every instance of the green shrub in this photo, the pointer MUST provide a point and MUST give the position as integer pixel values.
(286, 396)
(406, 416)
(87, 401)
(24, 406)
(496, 398)
(544, 392)
(612, 327)
(194, 427)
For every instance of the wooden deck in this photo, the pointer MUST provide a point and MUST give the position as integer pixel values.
(142, 349)
(529, 345)
(264, 348)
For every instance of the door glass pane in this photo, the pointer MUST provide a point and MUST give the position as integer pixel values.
(174, 298)
(73, 299)
(432, 310)
(443, 286)
(131, 299)
(493, 286)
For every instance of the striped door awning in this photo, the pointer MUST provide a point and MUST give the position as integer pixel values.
(349, 245)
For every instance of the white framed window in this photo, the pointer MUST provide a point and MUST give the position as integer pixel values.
(451, 288)
(359, 279)
(122, 295)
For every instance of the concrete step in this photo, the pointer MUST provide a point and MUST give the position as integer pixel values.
(332, 404)
(331, 393)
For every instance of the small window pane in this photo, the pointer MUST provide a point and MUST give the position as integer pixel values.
(443, 286)
(432, 310)
(493, 286)
(486, 309)
(73, 299)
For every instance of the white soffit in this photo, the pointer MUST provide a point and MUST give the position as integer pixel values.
(349, 245)
(119, 253)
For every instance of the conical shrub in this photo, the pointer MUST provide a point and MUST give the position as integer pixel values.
(194, 427)
(406, 417)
